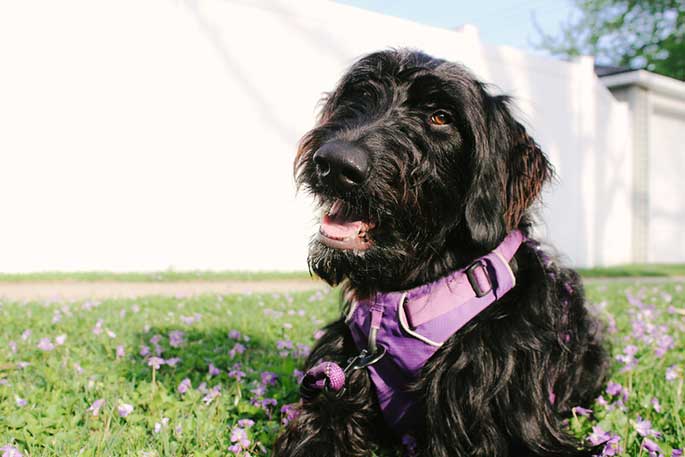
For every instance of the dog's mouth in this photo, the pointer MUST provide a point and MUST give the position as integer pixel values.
(344, 227)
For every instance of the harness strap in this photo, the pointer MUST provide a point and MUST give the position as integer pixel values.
(472, 288)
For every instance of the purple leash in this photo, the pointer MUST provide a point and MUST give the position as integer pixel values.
(329, 377)
(324, 376)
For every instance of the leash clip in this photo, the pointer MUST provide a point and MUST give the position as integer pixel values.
(364, 359)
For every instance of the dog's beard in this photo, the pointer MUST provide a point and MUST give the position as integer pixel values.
(391, 263)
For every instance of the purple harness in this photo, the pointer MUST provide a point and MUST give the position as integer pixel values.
(402, 330)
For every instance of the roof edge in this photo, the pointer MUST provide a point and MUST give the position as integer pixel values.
(648, 80)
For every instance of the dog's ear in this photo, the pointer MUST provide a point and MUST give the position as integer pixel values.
(509, 172)
(527, 171)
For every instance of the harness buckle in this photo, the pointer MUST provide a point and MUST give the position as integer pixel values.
(473, 280)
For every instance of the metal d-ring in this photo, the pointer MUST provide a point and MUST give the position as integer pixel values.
(364, 359)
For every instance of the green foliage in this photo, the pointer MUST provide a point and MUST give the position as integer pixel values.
(639, 34)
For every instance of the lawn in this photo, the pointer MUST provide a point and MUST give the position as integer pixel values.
(211, 375)
(155, 276)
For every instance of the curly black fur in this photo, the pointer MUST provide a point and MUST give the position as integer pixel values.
(440, 196)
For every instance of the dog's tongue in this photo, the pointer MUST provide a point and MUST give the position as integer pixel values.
(339, 228)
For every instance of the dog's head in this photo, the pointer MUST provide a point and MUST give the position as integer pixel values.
(417, 169)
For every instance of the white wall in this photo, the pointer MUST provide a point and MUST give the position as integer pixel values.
(666, 174)
(144, 134)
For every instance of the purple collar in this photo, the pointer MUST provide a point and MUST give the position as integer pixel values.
(410, 326)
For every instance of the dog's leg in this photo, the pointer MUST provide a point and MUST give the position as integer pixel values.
(328, 425)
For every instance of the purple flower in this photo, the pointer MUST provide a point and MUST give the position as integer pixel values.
(284, 344)
(269, 378)
(10, 451)
(644, 427)
(13, 347)
(651, 447)
(677, 453)
(628, 358)
(234, 334)
(289, 412)
(212, 394)
(98, 327)
(239, 436)
(236, 372)
(172, 361)
(188, 320)
(237, 349)
(95, 407)
(614, 388)
(176, 338)
(60, 339)
(26, 334)
(156, 339)
(184, 386)
(664, 343)
(45, 345)
(213, 371)
(78, 368)
(318, 334)
(155, 362)
(598, 436)
(302, 350)
(144, 350)
(631, 349)
(656, 405)
(259, 391)
(672, 373)
(121, 352)
(611, 447)
(268, 403)
(124, 409)
(245, 423)
(298, 374)
(579, 410)
(19, 401)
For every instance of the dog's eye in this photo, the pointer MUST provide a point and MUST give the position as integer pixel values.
(441, 117)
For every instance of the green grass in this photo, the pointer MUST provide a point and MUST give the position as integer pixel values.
(155, 276)
(658, 270)
(56, 422)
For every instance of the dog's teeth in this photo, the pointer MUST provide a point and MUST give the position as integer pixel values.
(335, 208)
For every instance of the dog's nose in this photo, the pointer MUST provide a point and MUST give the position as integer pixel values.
(341, 164)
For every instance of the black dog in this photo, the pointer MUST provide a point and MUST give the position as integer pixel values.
(419, 170)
